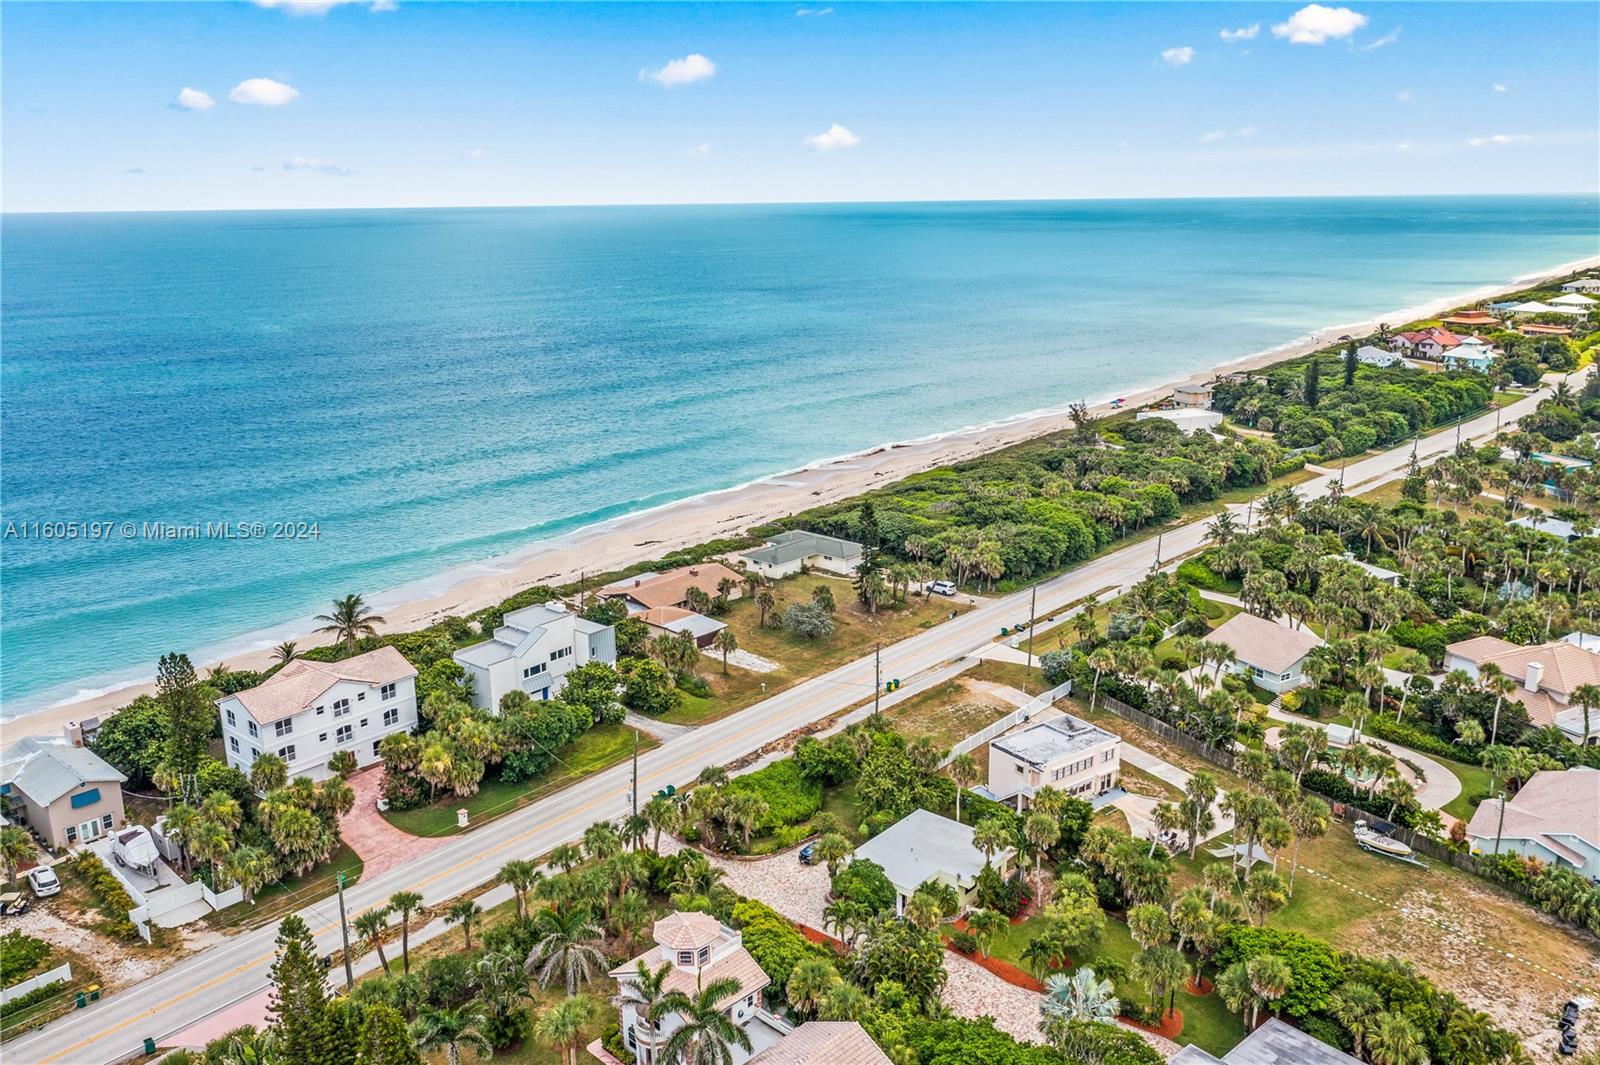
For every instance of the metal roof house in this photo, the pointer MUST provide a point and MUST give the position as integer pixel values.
(66, 793)
(924, 846)
(1274, 1043)
(789, 552)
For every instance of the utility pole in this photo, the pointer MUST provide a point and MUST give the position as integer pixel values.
(1159, 535)
(877, 675)
(1499, 828)
(344, 930)
(634, 794)
(1033, 607)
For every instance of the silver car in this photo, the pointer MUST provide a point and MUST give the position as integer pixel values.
(43, 880)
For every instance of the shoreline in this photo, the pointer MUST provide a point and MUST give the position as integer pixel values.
(643, 535)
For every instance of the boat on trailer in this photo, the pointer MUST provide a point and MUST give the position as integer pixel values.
(1367, 838)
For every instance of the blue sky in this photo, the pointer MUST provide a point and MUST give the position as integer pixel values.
(414, 104)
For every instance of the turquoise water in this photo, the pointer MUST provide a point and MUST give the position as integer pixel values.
(440, 387)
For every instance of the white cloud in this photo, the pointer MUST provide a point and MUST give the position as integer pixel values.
(813, 12)
(322, 7)
(1499, 87)
(1177, 57)
(193, 100)
(1315, 24)
(1383, 42)
(263, 92)
(836, 137)
(686, 71)
(1405, 96)
(1499, 138)
(700, 149)
(1247, 131)
(300, 162)
(1403, 146)
(134, 171)
(473, 152)
(1213, 137)
(1243, 33)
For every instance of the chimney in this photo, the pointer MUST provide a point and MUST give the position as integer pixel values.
(1534, 675)
(693, 572)
(73, 733)
(637, 582)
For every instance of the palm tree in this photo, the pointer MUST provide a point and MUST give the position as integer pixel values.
(832, 850)
(1354, 1006)
(520, 875)
(566, 945)
(403, 903)
(727, 642)
(16, 847)
(1270, 977)
(1493, 680)
(464, 912)
(285, 652)
(1310, 818)
(991, 837)
(451, 1029)
(1586, 696)
(809, 984)
(1394, 1040)
(349, 621)
(370, 926)
(964, 771)
(1161, 968)
(562, 1025)
(1233, 987)
(663, 815)
(1081, 997)
(1041, 831)
(984, 926)
(706, 1034)
(250, 868)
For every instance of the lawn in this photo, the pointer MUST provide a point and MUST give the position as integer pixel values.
(800, 659)
(1474, 782)
(946, 713)
(1015, 674)
(599, 748)
(1206, 1021)
(278, 899)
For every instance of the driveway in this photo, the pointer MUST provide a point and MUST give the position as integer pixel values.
(798, 892)
(1440, 787)
(381, 846)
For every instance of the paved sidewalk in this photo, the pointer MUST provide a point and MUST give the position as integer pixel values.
(1441, 786)
(381, 846)
(661, 730)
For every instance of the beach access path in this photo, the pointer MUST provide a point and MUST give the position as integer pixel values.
(215, 979)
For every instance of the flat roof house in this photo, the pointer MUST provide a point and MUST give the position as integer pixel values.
(701, 950)
(1273, 656)
(1547, 673)
(1274, 1043)
(1368, 355)
(671, 587)
(1555, 818)
(1192, 396)
(924, 846)
(1065, 753)
(1188, 419)
(308, 710)
(789, 552)
(532, 651)
(66, 793)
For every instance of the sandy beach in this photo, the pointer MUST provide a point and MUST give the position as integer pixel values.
(640, 537)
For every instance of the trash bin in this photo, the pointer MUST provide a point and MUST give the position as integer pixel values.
(81, 999)
(149, 1045)
(94, 992)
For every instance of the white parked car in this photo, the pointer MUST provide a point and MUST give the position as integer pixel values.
(42, 879)
(943, 587)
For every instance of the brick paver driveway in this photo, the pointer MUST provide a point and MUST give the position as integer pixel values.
(382, 846)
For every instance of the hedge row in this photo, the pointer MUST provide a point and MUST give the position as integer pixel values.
(114, 899)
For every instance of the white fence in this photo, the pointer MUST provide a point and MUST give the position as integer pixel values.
(1020, 714)
(33, 983)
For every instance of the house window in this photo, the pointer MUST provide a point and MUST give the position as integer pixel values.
(376, 748)
(533, 671)
(361, 696)
(344, 734)
(86, 798)
(72, 834)
(386, 692)
(685, 957)
(322, 737)
(559, 653)
(391, 717)
(106, 822)
(284, 727)
(254, 754)
(363, 722)
(233, 744)
(231, 720)
(253, 730)
(286, 753)
(705, 955)
(341, 707)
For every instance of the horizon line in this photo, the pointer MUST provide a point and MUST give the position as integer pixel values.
(815, 203)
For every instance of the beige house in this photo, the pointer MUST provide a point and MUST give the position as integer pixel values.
(66, 793)
(1546, 674)
(1272, 656)
(824, 1043)
(789, 552)
(1065, 753)
(671, 587)
(924, 846)
(1196, 396)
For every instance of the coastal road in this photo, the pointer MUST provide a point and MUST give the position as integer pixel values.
(237, 968)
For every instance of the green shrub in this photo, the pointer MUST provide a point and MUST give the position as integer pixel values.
(1317, 968)
(791, 799)
(1197, 573)
(775, 944)
(19, 956)
(114, 900)
(1409, 735)
(865, 882)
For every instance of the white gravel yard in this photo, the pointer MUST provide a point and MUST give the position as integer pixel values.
(118, 964)
(798, 892)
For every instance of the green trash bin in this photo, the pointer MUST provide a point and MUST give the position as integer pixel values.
(149, 1045)
(81, 999)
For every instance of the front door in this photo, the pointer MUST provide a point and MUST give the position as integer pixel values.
(89, 830)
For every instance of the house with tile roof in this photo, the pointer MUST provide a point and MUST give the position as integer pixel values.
(670, 587)
(65, 792)
(532, 651)
(1274, 1043)
(1547, 675)
(307, 710)
(1555, 818)
(1270, 655)
(699, 950)
(1430, 343)
(824, 1043)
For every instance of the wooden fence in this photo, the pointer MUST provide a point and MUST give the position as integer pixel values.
(1170, 733)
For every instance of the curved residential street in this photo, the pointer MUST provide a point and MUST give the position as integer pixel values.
(212, 980)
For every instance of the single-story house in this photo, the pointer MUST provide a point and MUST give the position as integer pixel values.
(1387, 576)
(671, 587)
(824, 1043)
(1575, 300)
(1065, 753)
(675, 620)
(1557, 527)
(66, 793)
(1430, 343)
(1532, 307)
(1373, 356)
(1197, 396)
(924, 846)
(1274, 1043)
(1547, 673)
(1555, 818)
(1582, 284)
(1185, 418)
(1472, 320)
(789, 552)
(1273, 656)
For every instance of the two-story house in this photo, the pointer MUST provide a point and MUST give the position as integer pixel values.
(1430, 343)
(1547, 674)
(65, 792)
(1555, 818)
(308, 710)
(700, 950)
(532, 651)
(1065, 753)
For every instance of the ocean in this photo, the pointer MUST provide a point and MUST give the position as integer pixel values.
(431, 388)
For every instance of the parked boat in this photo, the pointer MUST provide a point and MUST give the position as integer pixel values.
(1372, 840)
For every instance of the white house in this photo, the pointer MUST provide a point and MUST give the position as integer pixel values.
(1187, 419)
(1371, 356)
(1583, 284)
(308, 710)
(532, 651)
(1273, 656)
(701, 951)
(1583, 641)
(1555, 818)
(924, 846)
(1473, 353)
(1547, 674)
(1378, 573)
(1196, 396)
(788, 552)
(1576, 301)
(1065, 753)
(1274, 1043)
